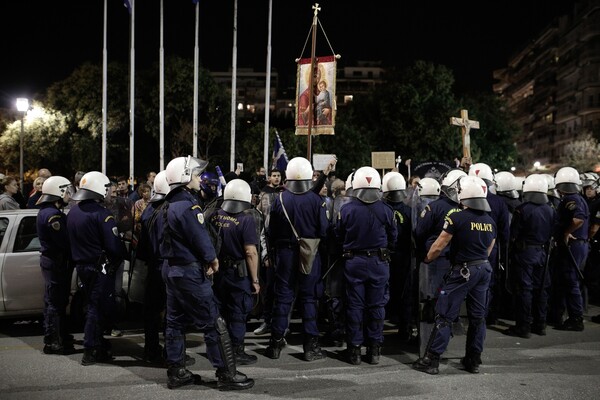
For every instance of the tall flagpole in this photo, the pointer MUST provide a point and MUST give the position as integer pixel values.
(311, 81)
(233, 88)
(161, 112)
(268, 91)
(132, 94)
(195, 117)
(104, 85)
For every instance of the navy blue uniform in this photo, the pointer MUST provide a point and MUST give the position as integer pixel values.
(531, 230)
(55, 251)
(187, 248)
(308, 214)
(233, 283)
(365, 229)
(571, 256)
(155, 295)
(95, 241)
(472, 233)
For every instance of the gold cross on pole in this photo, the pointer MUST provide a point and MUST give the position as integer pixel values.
(465, 124)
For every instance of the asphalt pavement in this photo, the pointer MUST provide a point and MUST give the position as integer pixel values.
(561, 365)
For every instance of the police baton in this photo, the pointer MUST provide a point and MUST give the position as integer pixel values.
(330, 268)
(574, 263)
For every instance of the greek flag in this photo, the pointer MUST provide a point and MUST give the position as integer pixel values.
(280, 159)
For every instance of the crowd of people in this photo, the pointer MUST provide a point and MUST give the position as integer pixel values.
(347, 254)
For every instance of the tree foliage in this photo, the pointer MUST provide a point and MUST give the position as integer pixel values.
(582, 154)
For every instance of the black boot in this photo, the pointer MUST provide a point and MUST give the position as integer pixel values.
(228, 380)
(53, 348)
(154, 355)
(180, 376)
(429, 364)
(243, 358)
(572, 324)
(274, 349)
(93, 356)
(520, 330)
(373, 353)
(312, 349)
(471, 362)
(539, 328)
(353, 353)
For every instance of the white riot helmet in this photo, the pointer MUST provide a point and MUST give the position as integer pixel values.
(482, 171)
(472, 193)
(161, 187)
(535, 189)
(506, 185)
(589, 179)
(237, 196)
(54, 188)
(179, 170)
(93, 185)
(394, 186)
(366, 185)
(298, 175)
(551, 186)
(429, 188)
(567, 180)
(450, 183)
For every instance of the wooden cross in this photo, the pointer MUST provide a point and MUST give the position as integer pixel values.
(466, 126)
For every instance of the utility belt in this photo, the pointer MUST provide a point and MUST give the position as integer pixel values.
(383, 253)
(520, 246)
(463, 267)
(238, 265)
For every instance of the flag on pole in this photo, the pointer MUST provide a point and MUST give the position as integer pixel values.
(280, 158)
(127, 4)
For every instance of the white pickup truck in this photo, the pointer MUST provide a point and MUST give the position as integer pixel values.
(21, 281)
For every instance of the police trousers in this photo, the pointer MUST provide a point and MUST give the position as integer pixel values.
(190, 299)
(454, 290)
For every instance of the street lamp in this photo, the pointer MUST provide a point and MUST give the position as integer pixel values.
(22, 106)
(537, 165)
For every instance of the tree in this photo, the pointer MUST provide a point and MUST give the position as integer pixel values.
(582, 154)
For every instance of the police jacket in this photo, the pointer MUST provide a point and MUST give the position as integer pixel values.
(93, 233)
(185, 239)
(51, 224)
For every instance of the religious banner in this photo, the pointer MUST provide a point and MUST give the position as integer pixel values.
(323, 97)
(432, 169)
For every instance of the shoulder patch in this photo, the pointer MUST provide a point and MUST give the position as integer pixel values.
(115, 231)
(196, 206)
(109, 218)
(55, 225)
(200, 218)
(424, 212)
(446, 223)
(571, 205)
(52, 218)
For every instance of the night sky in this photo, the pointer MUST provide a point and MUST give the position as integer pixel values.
(44, 41)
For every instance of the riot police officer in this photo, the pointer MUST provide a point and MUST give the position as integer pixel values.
(471, 234)
(237, 279)
(190, 262)
(531, 234)
(429, 226)
(148, 250)
(572, 246)
(55, 259)
(97, 253)
(305, 209)
(366, 227)
(499, 256)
